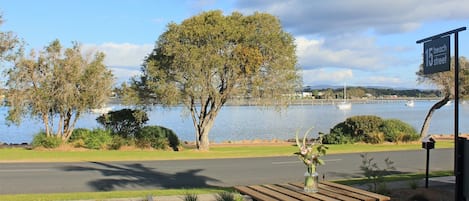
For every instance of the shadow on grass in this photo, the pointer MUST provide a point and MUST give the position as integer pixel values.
(137, 176)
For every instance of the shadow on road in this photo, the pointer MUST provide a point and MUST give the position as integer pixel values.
(137, 176)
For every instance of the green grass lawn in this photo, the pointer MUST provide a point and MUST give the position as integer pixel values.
(230, 151)
(236, 151)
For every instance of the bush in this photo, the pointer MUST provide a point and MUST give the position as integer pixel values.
(90, 139)
(125, 123)
(98, 139)
(374, 137)
(337, 138)
(370, 129)
(396, 130)
(41, 140)
(117, 142)
(157, 137)
(360, 126)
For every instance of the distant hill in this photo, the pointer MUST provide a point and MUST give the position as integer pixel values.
(376, 91)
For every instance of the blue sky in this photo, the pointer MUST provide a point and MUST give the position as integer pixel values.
(360, 42)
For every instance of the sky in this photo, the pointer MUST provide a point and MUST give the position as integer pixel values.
(357, 42)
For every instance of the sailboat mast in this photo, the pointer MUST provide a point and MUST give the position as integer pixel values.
(345, 91)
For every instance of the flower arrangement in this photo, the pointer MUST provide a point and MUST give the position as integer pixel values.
(309, 153)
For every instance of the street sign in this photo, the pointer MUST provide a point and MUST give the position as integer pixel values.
(436, 55)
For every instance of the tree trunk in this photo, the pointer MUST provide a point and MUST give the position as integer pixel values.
(204, 144)
(45, 119)
(426, 123)
(71, 128)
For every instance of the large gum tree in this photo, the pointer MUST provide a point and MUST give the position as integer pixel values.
(444, 81)
(210, 58)
(56, 85)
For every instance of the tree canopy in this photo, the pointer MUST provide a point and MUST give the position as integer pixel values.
(210, 58)
(56, 84)
(445, 83)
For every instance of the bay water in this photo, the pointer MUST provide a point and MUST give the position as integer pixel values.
(236, 123)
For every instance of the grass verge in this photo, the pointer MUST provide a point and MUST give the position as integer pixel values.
(229, 151)
(110, 194)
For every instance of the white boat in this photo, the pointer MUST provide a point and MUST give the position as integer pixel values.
(410, 103)
(344, 105)
(449, 103)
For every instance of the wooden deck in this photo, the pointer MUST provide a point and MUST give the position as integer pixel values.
(328, 191)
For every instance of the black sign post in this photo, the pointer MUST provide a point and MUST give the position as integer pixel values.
(438, 42)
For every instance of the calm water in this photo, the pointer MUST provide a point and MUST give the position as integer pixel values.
(250, 122)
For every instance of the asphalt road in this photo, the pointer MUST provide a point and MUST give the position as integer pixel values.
(18, 178)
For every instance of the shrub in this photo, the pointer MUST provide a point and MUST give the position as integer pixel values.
(396, 130)
(91, 139)
(360, 126)
(374, 137)
(125, 122)
(98, 139)
(225, 196)
(370, 129)
(157, 137)
(41, 140)
(117, 142)
(79, 134)
(337, 138)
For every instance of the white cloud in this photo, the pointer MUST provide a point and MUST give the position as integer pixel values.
(326, 76)
(306, 17)
(379, 80)
(123, 74)
(123, 54)
(358, 53)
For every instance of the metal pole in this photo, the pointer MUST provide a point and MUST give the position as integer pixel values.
(457, 171)
(426, 171)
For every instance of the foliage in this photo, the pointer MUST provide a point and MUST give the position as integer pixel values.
(209, 58)
(396, 130)
(375, 174)
(337, 137)
(125, 123)
(10, 45)
(157, 137)
(56, 82)
(117, 142)
(91, 139)
(370, 129)
(309, 154)
(445, 83)
(226, 196)
(42, 140)
(191, 197)
(98, 139)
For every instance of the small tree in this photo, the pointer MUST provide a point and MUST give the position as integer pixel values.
(445, 83)
(56, 84)
(210, 58)
(375, 174)
(125, 123)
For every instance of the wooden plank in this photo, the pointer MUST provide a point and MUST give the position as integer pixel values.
(315, 195)
(346, 193)
(335, 194)
(272, 193)
(291, 191)
(357, 190)
(254, 194)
